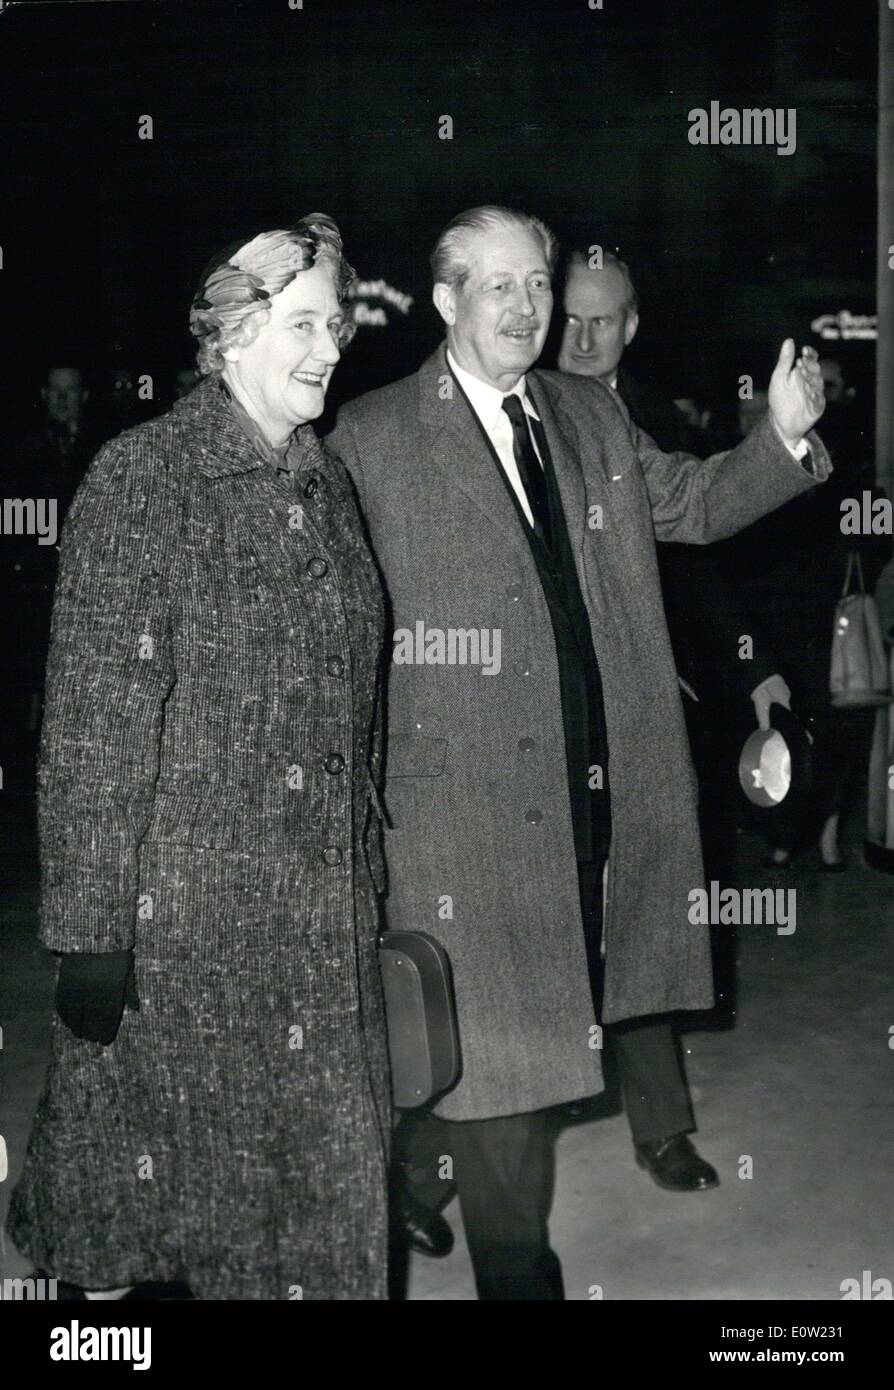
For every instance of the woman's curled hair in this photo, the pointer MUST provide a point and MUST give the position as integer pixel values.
(232, 304)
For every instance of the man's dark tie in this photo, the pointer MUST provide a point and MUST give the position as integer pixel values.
(530, 470)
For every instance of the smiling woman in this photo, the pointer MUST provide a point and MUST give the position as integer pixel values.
(217, 1105)
(293, 285)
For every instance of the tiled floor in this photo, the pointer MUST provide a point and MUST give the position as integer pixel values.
(803, 1084)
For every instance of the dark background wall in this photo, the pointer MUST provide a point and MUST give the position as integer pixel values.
(262, 113)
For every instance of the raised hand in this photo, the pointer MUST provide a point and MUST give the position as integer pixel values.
(796, 397)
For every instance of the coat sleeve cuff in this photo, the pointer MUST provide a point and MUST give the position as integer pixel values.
(88, 911)
(819, 455)
(89, 881)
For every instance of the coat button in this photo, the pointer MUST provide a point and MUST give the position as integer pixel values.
(534, 817)
(522, 668)
(514, 593)
(316, 567)
(335, 666)
(332, 855)
(311, 486)
(334, 763)
(526, 745)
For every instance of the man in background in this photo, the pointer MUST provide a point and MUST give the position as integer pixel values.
(46, 460)
(601, 320)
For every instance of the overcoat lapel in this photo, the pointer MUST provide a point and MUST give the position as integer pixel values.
(561, 438)
(457, 448)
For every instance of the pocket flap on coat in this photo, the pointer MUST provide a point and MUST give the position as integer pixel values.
(415, 755)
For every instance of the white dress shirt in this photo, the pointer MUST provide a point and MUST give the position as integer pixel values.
(487, 403)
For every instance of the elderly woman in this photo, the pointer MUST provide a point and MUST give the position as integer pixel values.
(216, 1108)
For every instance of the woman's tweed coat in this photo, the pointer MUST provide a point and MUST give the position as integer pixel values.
(206, 797)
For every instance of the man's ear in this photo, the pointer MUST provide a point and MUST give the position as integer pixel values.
(630, 328)
(444, 300)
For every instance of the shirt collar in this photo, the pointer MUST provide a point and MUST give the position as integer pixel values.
(486, 400)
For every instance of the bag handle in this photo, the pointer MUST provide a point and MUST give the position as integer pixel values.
(853, 561)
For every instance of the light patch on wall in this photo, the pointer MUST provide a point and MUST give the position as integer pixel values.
(372, 301)
(844, 324)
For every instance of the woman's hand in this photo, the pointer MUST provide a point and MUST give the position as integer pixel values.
(92, 991)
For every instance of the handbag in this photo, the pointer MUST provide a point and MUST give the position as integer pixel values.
(423, 1038)
(858, 673)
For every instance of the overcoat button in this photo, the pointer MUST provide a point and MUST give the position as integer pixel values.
(332, 855)
(335, 666)
(514, 593)
(334, 763)
(316, 567)
(522, 668)
(526, 745)
(310, 487)
(534, 817)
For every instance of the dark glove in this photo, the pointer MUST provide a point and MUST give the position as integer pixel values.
(92, 991)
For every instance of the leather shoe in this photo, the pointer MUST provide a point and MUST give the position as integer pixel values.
(425, 1231)
(675, 1165)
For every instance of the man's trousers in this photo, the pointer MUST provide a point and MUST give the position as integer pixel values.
(503, 1168)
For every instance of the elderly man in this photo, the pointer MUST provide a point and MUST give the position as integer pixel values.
(520, 506)
(705, 621)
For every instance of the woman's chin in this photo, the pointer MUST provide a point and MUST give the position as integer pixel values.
(308, 403)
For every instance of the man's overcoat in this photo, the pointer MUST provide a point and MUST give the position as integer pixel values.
(480, 850)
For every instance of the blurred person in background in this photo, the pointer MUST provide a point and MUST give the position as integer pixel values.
(790, 569)
(184, 381)
(601, 319)
(45, 460)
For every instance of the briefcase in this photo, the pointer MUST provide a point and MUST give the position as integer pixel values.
(423, 1040)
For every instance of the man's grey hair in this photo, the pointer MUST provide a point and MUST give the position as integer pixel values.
(581, 256)
(449, 258)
